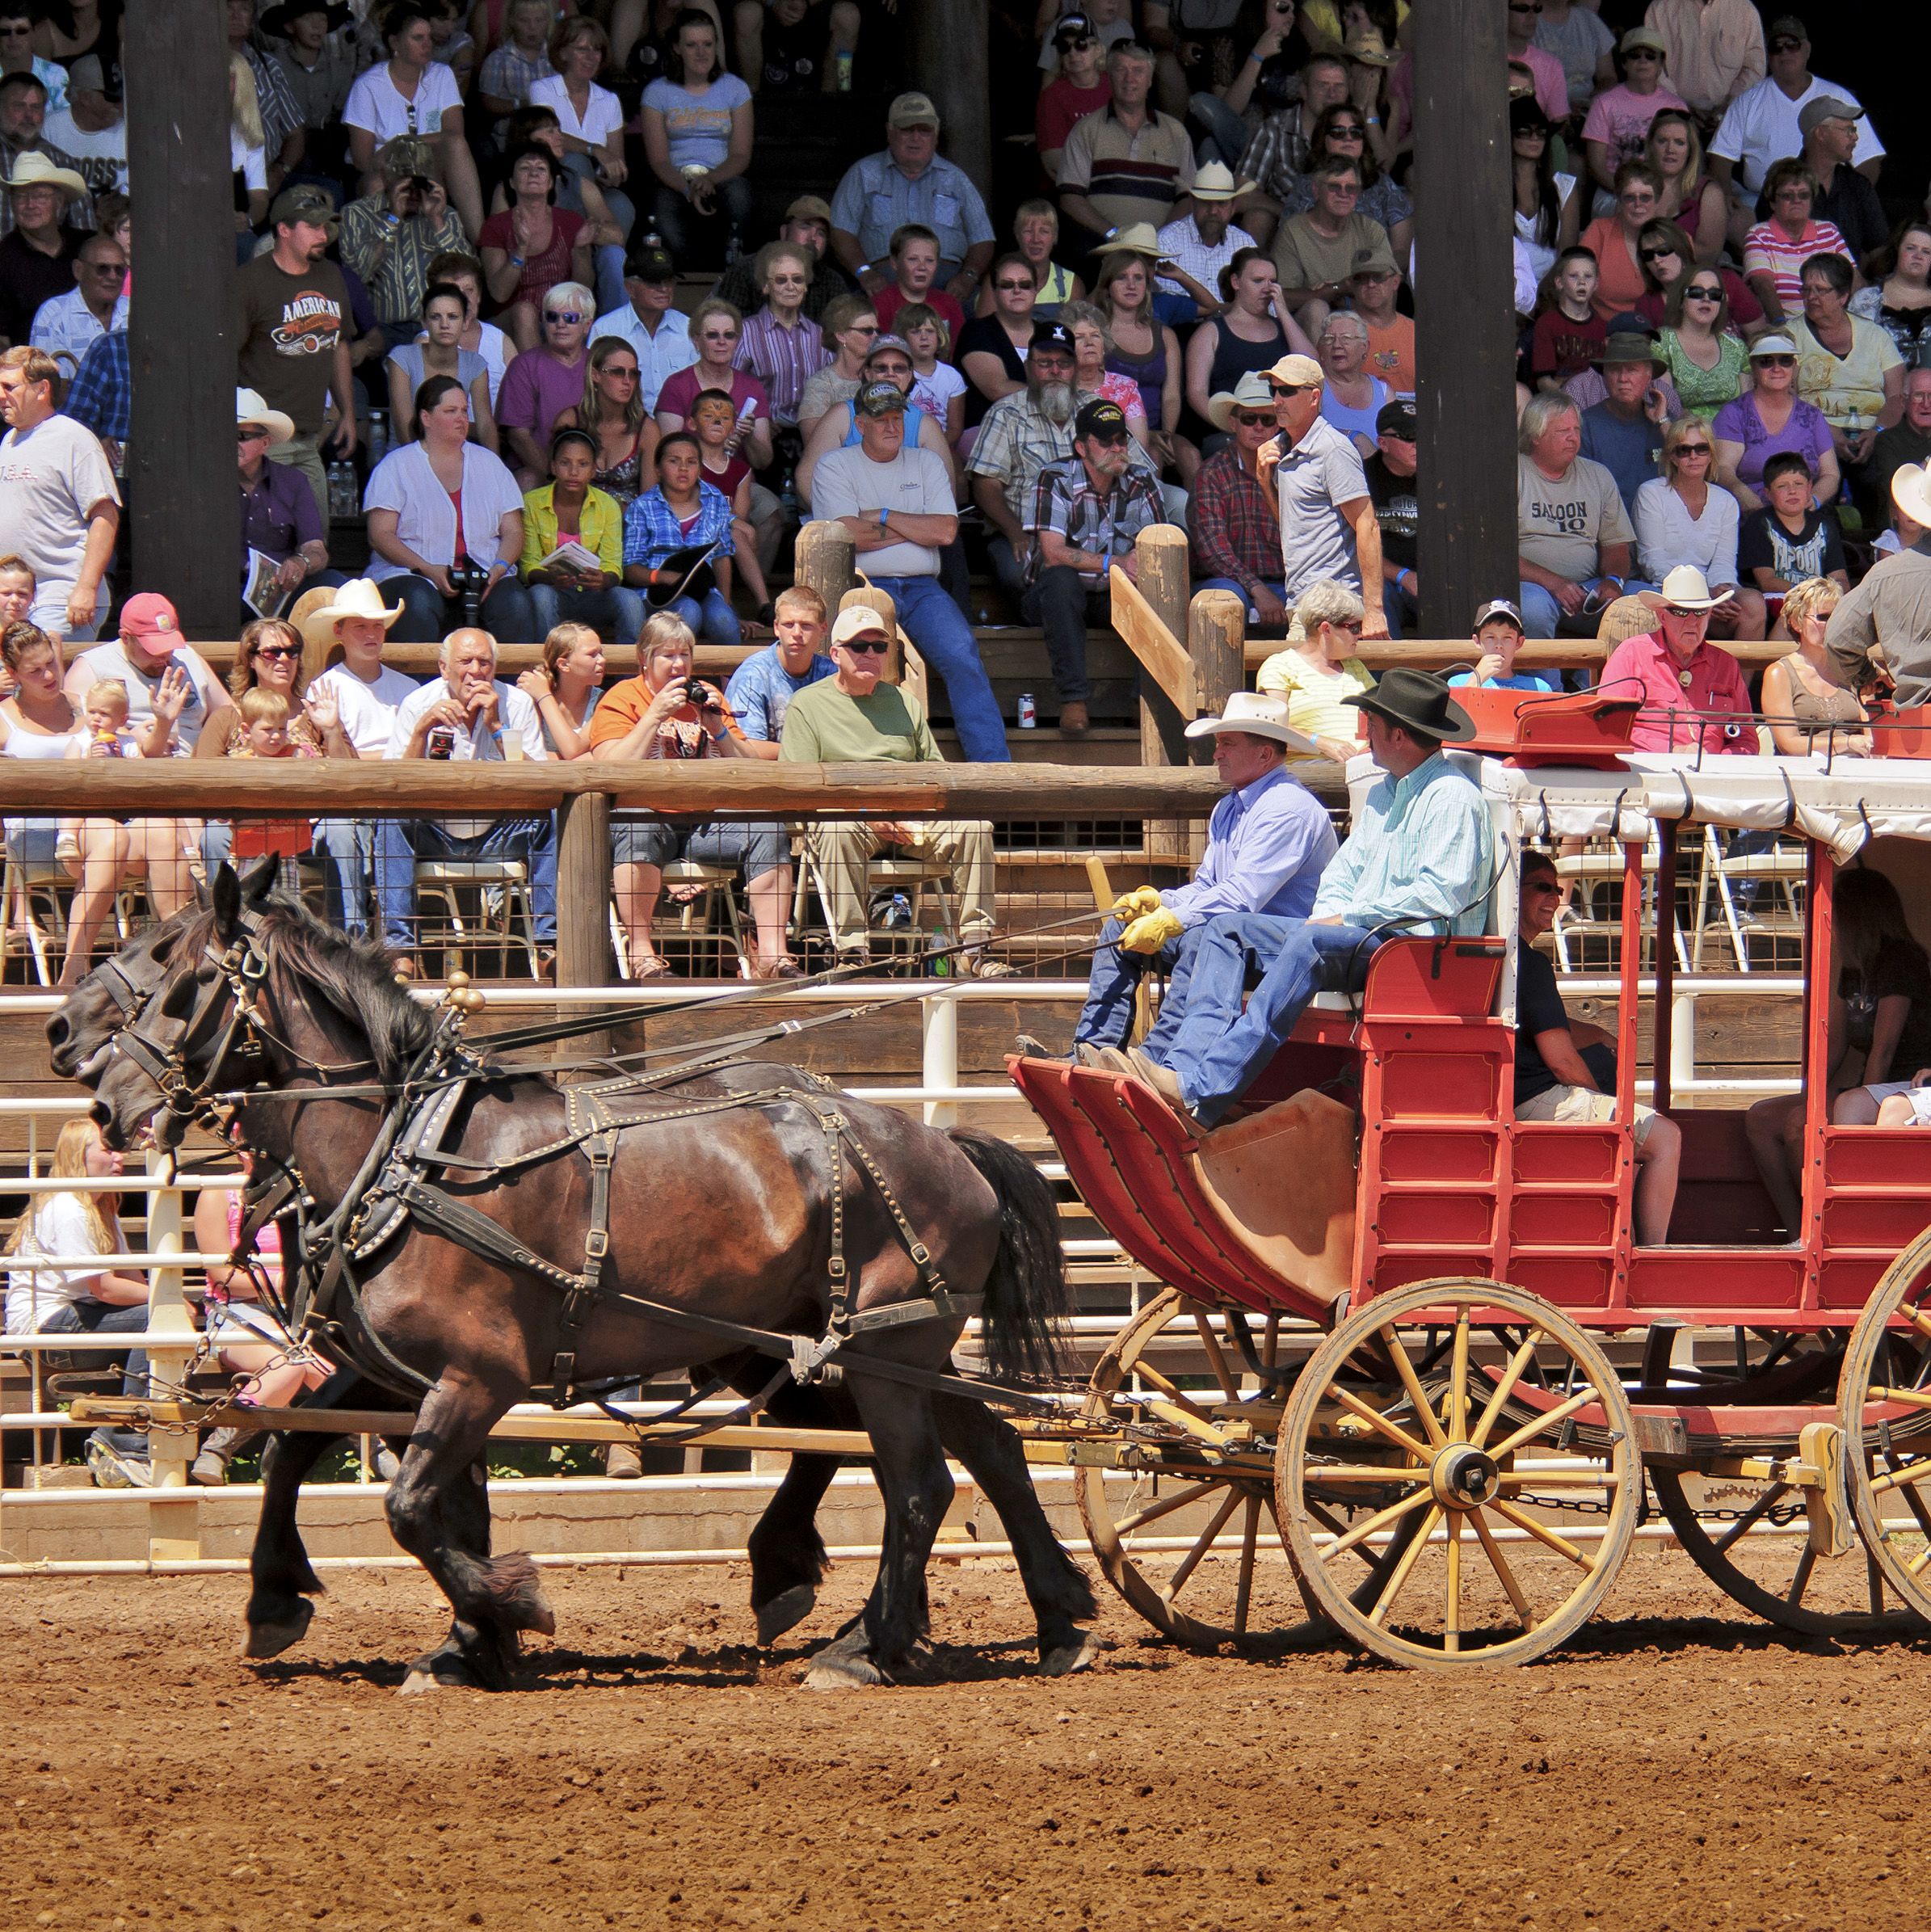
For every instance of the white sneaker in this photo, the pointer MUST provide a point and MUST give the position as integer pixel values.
(113, 1471)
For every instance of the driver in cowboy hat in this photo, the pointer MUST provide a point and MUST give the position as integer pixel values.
(1691, 689)
(1418, 860)
(1888, 616)
(1267, 842)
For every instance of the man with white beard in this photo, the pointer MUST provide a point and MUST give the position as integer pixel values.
(1021, 434)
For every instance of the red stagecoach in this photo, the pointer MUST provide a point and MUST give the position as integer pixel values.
(1411, 1339)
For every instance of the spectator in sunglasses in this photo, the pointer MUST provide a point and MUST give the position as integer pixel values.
(543, 382)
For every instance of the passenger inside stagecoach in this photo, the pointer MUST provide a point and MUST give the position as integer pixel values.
(1555, 1082)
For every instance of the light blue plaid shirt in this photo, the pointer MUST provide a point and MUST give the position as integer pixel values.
(651, 530)
(1420, 850)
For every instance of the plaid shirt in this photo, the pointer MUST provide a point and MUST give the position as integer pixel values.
(102, 392)
(281, 112)
(100, 174)
(1236, 532)
(1065, 500)
(1015, 441)
(1277, 154)
(783, 359)
(652, 530)
(508, 75)
(396, 283)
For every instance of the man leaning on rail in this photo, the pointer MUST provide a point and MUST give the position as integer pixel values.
(1267, 842)
(1418, 861)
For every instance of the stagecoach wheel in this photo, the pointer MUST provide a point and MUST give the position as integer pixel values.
(1192, 1542)
(1884, 1408)
(1492, 1429)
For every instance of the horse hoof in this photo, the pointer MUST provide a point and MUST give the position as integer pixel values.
(439, 1673)
(843, 1673)
(1070, 1657)
(265, 1641)
(419, 1683)
(786, 1611)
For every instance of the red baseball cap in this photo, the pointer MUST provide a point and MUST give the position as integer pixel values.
(149, 614)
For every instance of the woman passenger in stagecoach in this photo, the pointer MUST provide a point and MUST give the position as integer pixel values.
(1880, 1025)
(1553, 1082)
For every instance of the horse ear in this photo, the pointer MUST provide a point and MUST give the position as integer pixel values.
(225, 894)
(258, 882)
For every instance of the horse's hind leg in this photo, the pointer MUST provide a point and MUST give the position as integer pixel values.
(1057, 1589)
(787, 1560)
(440, 1525)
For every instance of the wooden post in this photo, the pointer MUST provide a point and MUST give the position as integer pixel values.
(584, 890)
(946, 52)
(1216, 635)
(823, 558)
(1466, 334)
(1161, 549)
(181, 501)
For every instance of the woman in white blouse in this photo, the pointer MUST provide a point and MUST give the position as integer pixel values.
(440, 504)
(591, 117)
(1682, 518)
(412, 93)
(247, 152)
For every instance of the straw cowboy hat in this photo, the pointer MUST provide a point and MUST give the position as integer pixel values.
(357, 598)
(36, 170)
(1418, 701)
(1253, 391)
(1686, 588)
(250, 406)
(1213, 182)
(1911, 491)
(1258, 713)
(1136, 237)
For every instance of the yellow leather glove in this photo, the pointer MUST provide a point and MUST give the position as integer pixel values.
(1143, 898)
(1151, 931)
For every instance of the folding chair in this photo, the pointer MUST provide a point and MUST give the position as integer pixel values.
(1781, 872)
(505, 919)
(1600, 865)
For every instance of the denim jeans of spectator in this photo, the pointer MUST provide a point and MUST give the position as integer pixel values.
(1111, 986)
(713, 621)
(217, 841)
(401, 842)
(428, 616)
(304, 453)
(1401, 609)
(1060, 601)
(938, 627)
(1542, 614)
(1224, 132)
(1227, 584)
(609, 263)
(1216, 1050)
(347, 848)
(759, 845)
(49, 612)
(616, 614)
(955, 573)
(1008, 573)
(677, 221)
(90, 1317)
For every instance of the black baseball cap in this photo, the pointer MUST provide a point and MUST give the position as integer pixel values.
(1052, 335)
(651, 265)
(879, 399)
(1101, 418)
(1397, 418)
(1072, 27)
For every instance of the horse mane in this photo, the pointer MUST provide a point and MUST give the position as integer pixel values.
(354, 975)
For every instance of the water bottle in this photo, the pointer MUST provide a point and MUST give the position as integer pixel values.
(733, 247)
(378, 436)
(341, 492)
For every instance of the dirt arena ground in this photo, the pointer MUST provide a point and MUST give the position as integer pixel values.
(1678, 1766)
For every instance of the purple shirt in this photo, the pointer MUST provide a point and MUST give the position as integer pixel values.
(1267, 845)
(537, 388)
(279, 515)
(1806, 432)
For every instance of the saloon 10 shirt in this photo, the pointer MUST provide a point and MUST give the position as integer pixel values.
(1562, 523)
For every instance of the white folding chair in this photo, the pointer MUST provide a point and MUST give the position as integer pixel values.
(504, 920)
(1599, 865)
(1780, 872)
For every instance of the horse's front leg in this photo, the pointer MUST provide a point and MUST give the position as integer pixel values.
(439, 1513)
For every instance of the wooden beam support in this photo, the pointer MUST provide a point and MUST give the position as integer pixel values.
(1465, 334)
(947, 54)
(823, 558)
(1162, 657)
(584, 865)
(182, 504)
(1216, 628)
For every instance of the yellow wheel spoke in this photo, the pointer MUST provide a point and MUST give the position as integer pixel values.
(1382, 1425)
(1270, 1341)
(1451, 1606)
(1379, 1521)
(1800, 1582)
(1908, 1477)
(1163, 1505)
(1180, 1396)
(1542, 1533)
(1409, 1557)
(1243, 1588)
(1405, 1370)
(1365, 1472)
(1518, 1362)
(1912, 1398)
(1190, 1562)
(1500, 1563)
(1457, 1415)
(1217, 1361)
(1561, 1412)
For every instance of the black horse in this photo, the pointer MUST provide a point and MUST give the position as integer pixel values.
(723, 1206)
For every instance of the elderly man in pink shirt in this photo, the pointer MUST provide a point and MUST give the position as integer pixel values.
(1675, 669)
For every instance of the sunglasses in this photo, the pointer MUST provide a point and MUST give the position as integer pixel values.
(1013, 287)
(1348, 623)
(621, 375)
(1642, 53)
(277, 651)
(1693, 450)
(565, 315)
(251, 435)
(1654, 255)
(867, 647)
(1785, 46)
(1543, 886)
(855, 329)
(1347, 129)
(1255, 418)
(1774, 362)
(1702, 294)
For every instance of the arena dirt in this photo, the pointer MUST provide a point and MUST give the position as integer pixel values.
(1678, 1766)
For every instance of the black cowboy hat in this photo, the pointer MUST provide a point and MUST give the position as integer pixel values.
(1418, 702)
(277, 19)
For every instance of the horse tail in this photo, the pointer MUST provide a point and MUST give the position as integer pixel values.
(1027, 1298)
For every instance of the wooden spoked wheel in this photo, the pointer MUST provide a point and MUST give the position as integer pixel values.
(1884, 1408)
(1490, 1427)
(1188, 1535)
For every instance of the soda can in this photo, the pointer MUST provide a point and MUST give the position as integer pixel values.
(1029, 712)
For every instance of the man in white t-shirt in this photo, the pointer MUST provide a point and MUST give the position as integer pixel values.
(90, 126)
(1759, 126)
(368, 696)
(468, 714)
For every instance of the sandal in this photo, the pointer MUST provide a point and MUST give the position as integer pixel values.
(655, 967)
(784, 967)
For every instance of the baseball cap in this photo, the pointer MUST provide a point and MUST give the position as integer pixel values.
(1826, 106)
(1374, 259)
(1052, 335)
(1499, 610)
(1642, 36)
(879, 399)
(1102, 418)
(650, 265)
(859, 620)
(809, 208)
(1297, 373)
(1397, 418)
(897, 344)
(1072, 27)
(149, 614)
(86, 76)
(1786, 27)
(305, 203)
(913, 111)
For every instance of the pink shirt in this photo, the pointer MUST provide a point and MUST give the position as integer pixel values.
(1621, 117)
(1551, 84)
(1642, 666)
(1769, 250)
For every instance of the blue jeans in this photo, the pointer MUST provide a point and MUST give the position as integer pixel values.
(426, 617)
(401, 842)
(714, 622)
(1217, 1051)
(938, 627)
(1542, 613)
(678, 222)
(348, 846)
(616, 614)
(1227, 584)
(1107, 1017)
(88, 1317)
(1226, 134)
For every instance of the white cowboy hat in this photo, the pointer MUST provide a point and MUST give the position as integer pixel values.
(1253, 391)
(1911, 491)
(1686, 588)
(36, 170)
(1136, 237)
(357, 598)
(1213, 182)
(1258, 713)
(250, 406)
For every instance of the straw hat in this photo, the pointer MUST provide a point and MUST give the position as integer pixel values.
(1136, 237)
(1253, 391)
(1369, 48)
(250, 406)
(358, 598)
(1911, 491)
(1258, 713)
(1686, 588)
(34, 169)
(1213, 182)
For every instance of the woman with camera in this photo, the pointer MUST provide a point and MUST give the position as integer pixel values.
(445, 527)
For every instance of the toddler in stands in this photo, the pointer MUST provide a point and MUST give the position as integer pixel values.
(937, 387)
(107, 734)
(265, 734)
(1568, 334)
